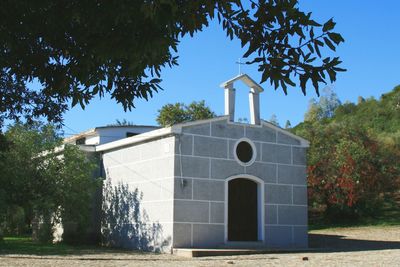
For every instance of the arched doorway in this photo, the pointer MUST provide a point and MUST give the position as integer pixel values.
(244, 209)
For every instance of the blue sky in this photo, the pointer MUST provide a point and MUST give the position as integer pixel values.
(371, 54)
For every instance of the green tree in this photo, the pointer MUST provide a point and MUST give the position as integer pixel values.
(171, 114)
(288, 125)
(274, 120)
(94, 48)
(42, 185)
(329, 102)
(21, 175)
(324, 108)
(76, 171)
(380, 116)
(199, 111)
(313, 112)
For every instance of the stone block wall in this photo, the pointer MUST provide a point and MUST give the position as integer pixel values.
(204, 159)
(148, 167)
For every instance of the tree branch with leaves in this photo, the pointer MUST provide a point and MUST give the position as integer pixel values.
(77, 50)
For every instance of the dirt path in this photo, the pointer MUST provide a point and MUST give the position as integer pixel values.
(366, 246)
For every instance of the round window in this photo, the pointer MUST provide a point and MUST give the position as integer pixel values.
(245, 152)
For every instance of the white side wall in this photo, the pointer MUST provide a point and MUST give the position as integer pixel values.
(116, 133)
(149, 167)
(92, 140)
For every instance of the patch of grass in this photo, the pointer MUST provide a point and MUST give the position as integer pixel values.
(25, 246)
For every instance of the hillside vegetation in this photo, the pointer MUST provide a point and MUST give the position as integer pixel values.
(382, 117)
(353, 161)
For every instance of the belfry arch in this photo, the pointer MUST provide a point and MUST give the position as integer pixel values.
(254, 98)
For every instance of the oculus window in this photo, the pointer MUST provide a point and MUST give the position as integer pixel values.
(245, 152)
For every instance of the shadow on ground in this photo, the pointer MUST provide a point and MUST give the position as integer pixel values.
(320, 242)
(339, 243)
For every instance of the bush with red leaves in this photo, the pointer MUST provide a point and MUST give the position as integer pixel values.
(349, 171)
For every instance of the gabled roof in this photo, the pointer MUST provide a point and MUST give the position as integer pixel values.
(303, 141)
(94, 131)
(127, 126)
(246, 80)
(177, 129)
(90, 132)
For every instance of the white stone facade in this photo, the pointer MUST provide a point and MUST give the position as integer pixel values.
(184, 179)
(208, 161)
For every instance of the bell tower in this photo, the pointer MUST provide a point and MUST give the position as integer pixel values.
(254, 97)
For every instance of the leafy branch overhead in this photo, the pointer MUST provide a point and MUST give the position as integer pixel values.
(284, 42)
(77, 50)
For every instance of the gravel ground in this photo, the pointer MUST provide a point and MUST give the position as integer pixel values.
(365, 246)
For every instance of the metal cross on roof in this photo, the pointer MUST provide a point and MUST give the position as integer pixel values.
(240, 63)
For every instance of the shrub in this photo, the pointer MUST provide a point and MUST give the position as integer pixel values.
(348, 171)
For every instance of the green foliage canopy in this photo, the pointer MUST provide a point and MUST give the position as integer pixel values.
(77, 50)
(44, 185)
(324, 108)
(20, 176)
(380, 116)
(171, 114)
